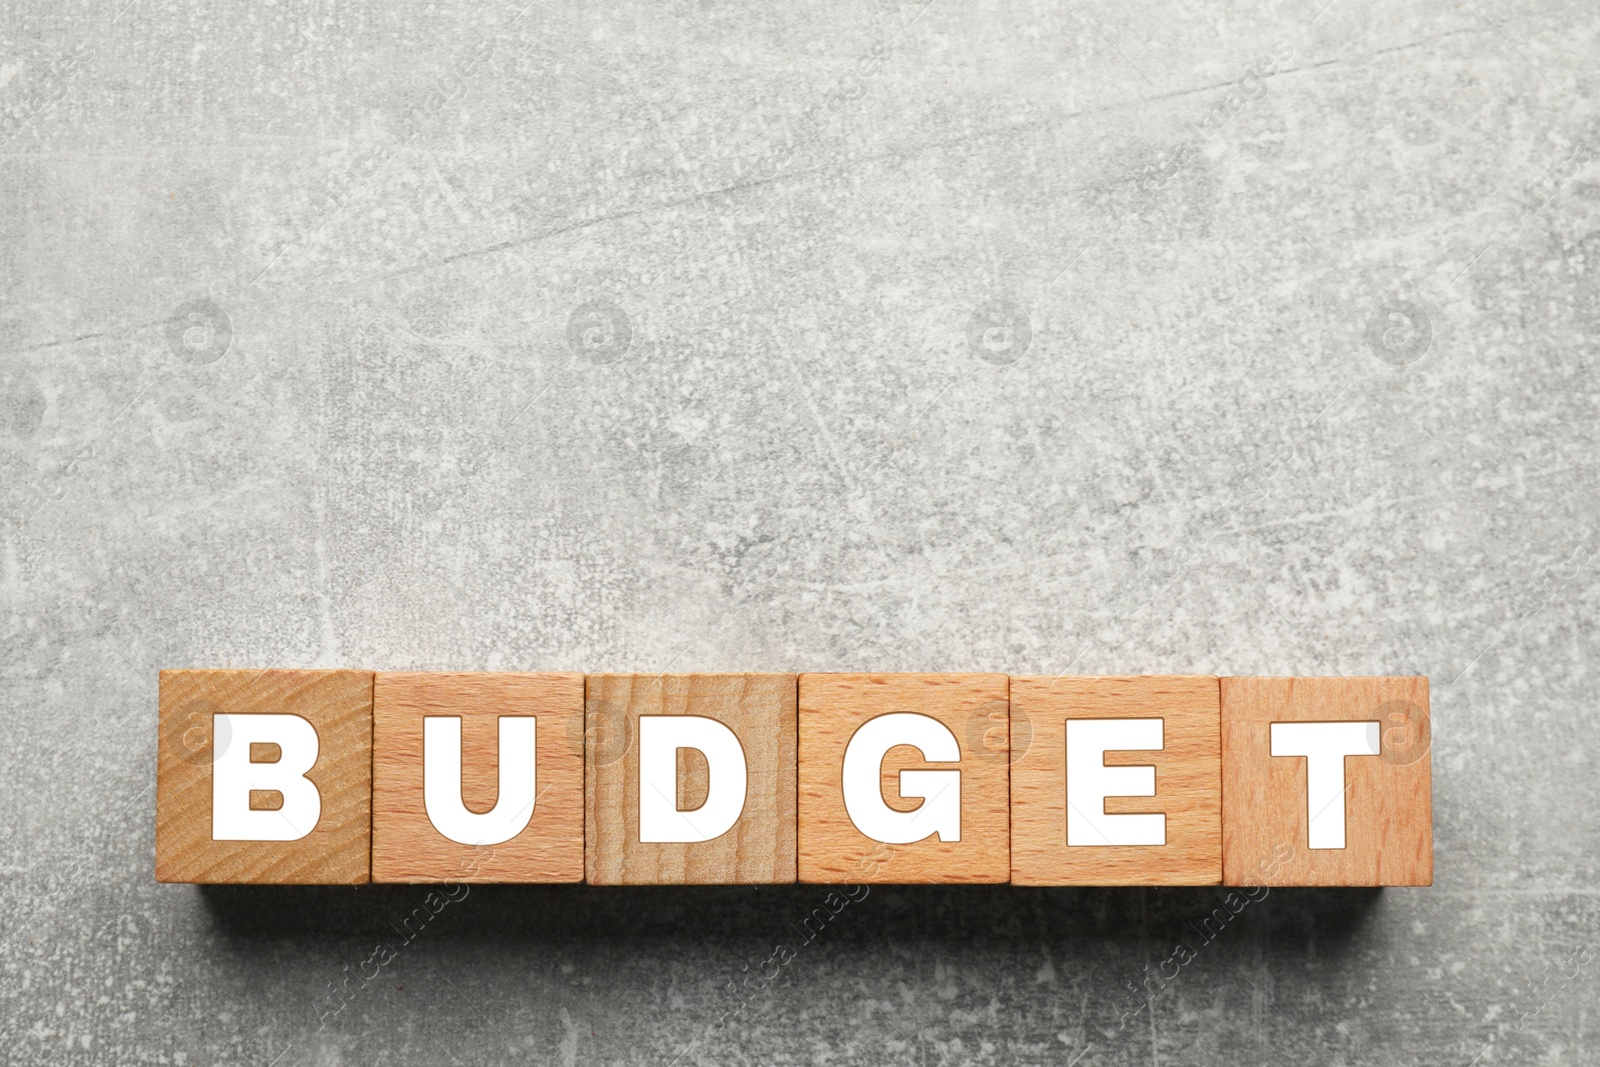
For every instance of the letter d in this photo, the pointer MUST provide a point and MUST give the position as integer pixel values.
(660, 819)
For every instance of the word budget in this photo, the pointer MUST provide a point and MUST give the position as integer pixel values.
(347, 776)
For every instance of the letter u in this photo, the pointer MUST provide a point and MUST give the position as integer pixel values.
(441, 780)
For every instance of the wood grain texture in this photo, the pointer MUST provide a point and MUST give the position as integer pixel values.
(1388, 799)
(833, 707)
(1188, 780)
(405, 845)
(338, 704)
(760, 710)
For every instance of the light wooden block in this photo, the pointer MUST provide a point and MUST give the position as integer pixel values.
(338, 707)
(833, 707)
(1188, 781)
(408, 846)
(759, 847)
(1388, 807)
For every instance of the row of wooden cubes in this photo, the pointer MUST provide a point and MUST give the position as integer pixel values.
(971, 781)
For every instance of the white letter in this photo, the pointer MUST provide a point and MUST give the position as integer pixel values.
(1325, 745)
(1090, 781)
(233, 776)
(940, 791)
(441, 780)
(660, 737)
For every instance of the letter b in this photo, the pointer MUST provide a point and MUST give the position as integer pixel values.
(234, 775)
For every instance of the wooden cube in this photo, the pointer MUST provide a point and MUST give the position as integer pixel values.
(264, 776)
(903, 778)
(1071, 794)
(1326, 781)
(691, 779)
(477, 777)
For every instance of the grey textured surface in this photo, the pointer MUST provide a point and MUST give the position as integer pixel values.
(1092, 337)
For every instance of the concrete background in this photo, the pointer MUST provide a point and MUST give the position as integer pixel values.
(1176, 336)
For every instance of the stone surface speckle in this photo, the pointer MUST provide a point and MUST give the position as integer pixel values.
(1177, 336)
